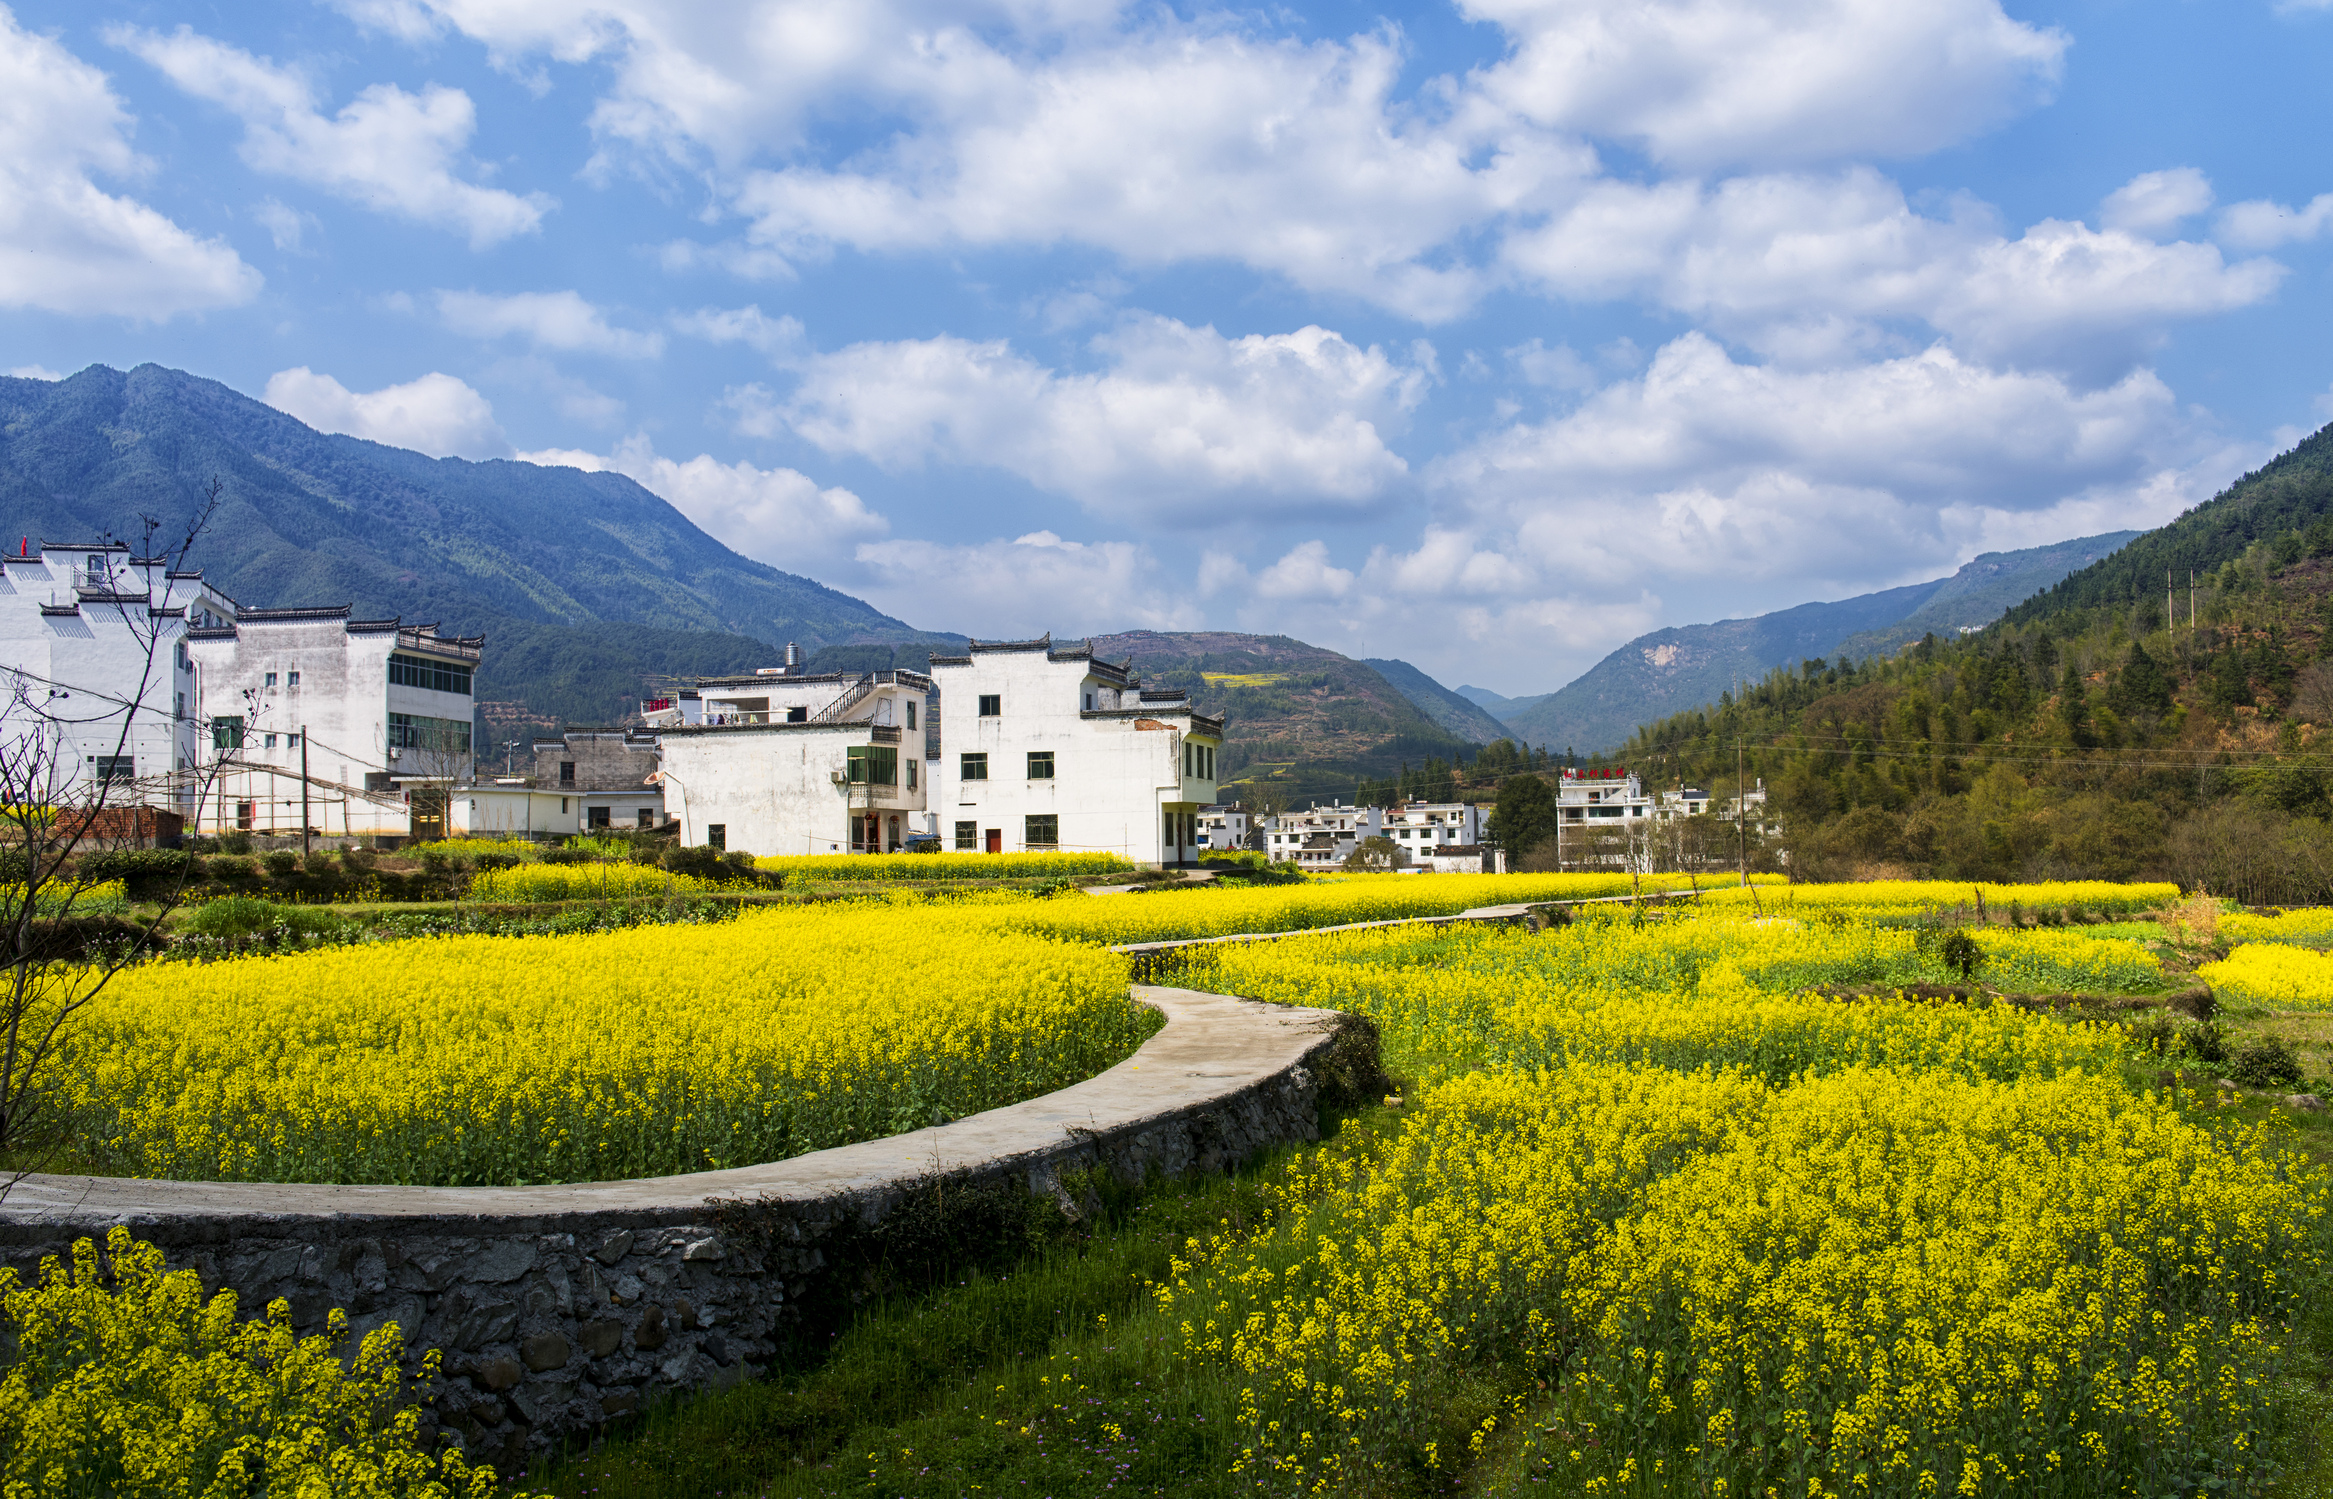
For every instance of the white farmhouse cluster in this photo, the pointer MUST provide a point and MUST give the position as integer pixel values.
(1012, 746)
(1429, 835)
(310, 722)
(160, 690)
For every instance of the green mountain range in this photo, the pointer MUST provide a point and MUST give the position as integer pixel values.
(1453, 712)
(1671, 670)
(584, 583)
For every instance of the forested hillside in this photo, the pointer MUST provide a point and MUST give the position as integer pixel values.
(2086, 735)
(1303, 721)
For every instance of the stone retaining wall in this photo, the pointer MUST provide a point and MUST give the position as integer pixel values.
(560, 1307)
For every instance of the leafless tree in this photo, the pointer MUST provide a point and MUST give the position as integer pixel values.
(60, 809)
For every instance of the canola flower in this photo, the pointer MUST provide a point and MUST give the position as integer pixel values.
(2309, 927)
(528, 883)
(60, 897)
(490, 1060)
(940, 866)
(2273, 974)
(127, 1381)
(1166, 915)
(1713, 988)
(1911, 897)
(1877, 1282)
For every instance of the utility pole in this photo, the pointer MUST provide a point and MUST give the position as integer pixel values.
(303, 788)
(1741, 811)
(508, 746)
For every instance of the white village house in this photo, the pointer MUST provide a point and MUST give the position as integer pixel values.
(789, 762)
(77, 623)
(1321, 837)
(1045, 747)
(338, 725)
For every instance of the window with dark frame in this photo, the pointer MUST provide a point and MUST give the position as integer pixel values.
(1040, 765)
(116, 768)
(419, 671)
(797, 715)
(992, 705)
(911, 772)
(567, 772)
(968, 836)
(1041, 831)
(974, 767)
(717, 835)
(911, 715)
(873, 764)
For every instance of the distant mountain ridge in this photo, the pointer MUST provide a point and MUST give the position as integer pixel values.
(583, 582)
(1450, 709)
(1496, 705)
(1688, 666)
(1304, 721)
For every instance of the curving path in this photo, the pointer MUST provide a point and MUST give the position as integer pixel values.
(559, 1307)
(1212, 1048)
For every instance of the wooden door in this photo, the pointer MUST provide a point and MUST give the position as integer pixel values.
(996, 840)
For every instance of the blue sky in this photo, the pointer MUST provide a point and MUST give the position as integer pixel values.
(1486, 336)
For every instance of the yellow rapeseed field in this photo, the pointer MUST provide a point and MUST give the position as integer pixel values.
(1872, 1282)
(2273, 974)
(529, 883)
(1755, 1197)
(940, 866)
(1881, 896)
(473, 1060)
(2310, 927)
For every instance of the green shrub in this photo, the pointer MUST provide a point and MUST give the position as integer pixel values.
(282, 862)
(233, 868)
(237, 842)
(133, 863)
(2265, 1062)
(2205, 1042)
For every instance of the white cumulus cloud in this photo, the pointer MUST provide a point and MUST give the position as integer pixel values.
(66, 245)
(2152, 202)
(388, 150)
(775, 515)
(1026, 586)
(1180, 425)
(1820, 267)
(2263, 225)
(556, 320)
(436, 414)
(1702, 82)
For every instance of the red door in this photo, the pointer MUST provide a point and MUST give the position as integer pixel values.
(996, 840)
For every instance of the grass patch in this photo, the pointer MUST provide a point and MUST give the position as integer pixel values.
(1045, 1374)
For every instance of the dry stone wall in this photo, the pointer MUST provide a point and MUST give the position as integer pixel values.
(559, 1308)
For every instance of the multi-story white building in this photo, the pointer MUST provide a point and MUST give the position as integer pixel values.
(1421, 828)
(1321, 837)
(788, 762)
(337, 725)
(93, 659)
(1045, 748)
(1224, 828)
